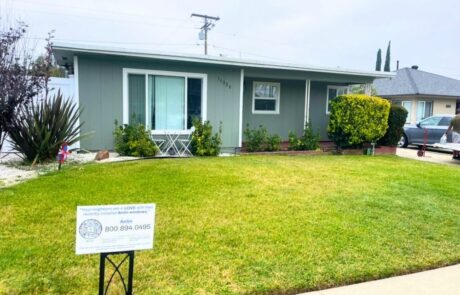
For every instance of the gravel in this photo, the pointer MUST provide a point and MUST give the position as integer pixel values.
(13, 170)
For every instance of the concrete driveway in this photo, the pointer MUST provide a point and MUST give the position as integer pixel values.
(431, 155)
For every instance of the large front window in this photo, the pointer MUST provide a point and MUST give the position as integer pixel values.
(163, 100)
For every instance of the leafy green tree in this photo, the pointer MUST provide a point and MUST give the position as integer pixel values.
(360, 89)
(387, 58)
(53, 69)
(378, 64)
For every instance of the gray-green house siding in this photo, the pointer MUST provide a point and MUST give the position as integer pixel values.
(291, 110)
(318, 102)
(100, 85)
(101, 95)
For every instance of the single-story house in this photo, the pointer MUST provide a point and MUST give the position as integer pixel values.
(164, 91)
(423, 94)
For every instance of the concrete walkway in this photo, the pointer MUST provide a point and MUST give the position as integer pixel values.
(442, 281)
(430, 156)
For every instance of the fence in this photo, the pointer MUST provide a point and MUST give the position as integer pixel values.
(67, 88)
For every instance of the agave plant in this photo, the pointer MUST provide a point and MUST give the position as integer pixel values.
(39, 129)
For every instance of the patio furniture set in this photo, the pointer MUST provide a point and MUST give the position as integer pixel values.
(173, 143)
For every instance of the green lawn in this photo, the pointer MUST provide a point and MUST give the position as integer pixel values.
(239, 225)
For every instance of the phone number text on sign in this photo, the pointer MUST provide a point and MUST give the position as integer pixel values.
(113, 228)
(127, 227)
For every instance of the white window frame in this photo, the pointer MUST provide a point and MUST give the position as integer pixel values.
(276, 99)
(336, 87)
(146, 73)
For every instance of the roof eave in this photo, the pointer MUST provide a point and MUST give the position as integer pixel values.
(227, 62)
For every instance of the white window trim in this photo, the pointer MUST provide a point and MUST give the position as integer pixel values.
(276, 99)
(185, 75)
(336, 87)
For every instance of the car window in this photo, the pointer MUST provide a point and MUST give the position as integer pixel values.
(445, 121)
(431, 121)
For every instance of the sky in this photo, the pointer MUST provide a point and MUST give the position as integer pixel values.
(331, 33)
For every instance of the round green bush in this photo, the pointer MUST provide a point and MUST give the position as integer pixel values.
(357, 118)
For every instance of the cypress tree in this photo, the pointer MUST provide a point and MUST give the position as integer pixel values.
(387, 58)
(378, 63)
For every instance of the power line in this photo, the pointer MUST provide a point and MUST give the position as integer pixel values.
(99, 18)
(253, 54)
(112, 12)
(209, 23)
(115, 42)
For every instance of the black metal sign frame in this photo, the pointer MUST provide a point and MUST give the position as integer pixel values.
(127, 285)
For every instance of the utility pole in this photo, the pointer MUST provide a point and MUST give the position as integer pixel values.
(208, 25)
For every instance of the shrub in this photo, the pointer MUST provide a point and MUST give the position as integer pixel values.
(396, 120)
(39, 130)
(204, 143)
(133, 140)
(357, 118)
(307, 142)
(259, 140)
(273, 143)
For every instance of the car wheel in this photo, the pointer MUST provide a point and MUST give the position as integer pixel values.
(403, 141)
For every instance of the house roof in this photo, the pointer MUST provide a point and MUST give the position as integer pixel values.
(69, 49)
(410, 81)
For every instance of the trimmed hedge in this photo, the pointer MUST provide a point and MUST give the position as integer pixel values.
(357, 118)
(396, 121)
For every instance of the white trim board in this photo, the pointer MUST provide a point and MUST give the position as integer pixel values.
(204, 90)
(76, 92)
(307, 102)
(240, 125)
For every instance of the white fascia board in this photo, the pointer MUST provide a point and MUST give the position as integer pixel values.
(215, 60)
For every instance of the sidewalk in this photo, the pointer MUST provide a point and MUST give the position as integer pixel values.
(443, 281)
(430, 156)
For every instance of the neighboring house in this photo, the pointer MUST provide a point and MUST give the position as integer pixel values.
(164, 91)
(423, 94)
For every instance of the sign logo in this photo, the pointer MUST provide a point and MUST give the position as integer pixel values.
(90, 229)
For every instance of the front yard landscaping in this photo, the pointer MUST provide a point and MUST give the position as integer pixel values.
(239, 225)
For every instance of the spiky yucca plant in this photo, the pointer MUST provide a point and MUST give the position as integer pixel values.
(39, 129)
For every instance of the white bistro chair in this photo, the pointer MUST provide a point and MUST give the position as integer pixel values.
(185, 141)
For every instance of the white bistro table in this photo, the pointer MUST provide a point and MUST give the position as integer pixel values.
(173, 142)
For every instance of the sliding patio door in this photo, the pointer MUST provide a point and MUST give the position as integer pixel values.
(163, 102)
(169, 103)
(136, 93)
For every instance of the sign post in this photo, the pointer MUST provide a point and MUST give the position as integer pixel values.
(114, 230)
